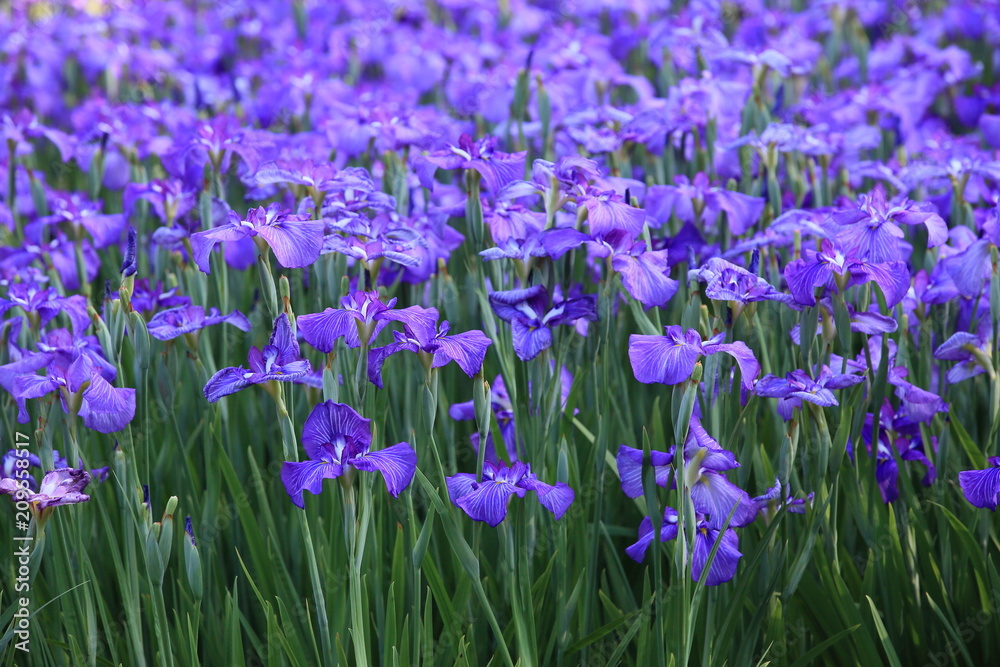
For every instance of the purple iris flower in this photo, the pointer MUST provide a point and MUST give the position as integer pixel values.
(712, 494)
(487, 500)
(692, 201)
(9, 466)
(317, 178)
(60, 252)
(44, 304)
(496, 168)
(871, 232)
(608, 211)
(168, 197)
(436, 348)
(799, 386)
(973, 352)
(59, 487)
(511, 221)
(830, 267)
(729, 282)
(771, 501)
(147, 298)
(295, 240)
(336, 437)
(670, 359)
(19, 128)
(279, 360)
(386, 236)
(531, 314)
(81, 376)
(982, 487)
(630, 469)
(175, 322)
(359, 320)
(82, 215)
(216, 141)
(645, 273)
(668, 531)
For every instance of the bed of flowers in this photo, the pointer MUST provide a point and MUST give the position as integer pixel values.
(460, 332)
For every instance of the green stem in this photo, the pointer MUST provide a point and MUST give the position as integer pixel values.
(290, 450)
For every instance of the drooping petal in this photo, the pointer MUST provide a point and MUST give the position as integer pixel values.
(500, 169)
(460, 485)
(668, 531)
(744, 356)
(488, 501)
(982, 487)
(530, 341)
(661, 359)
(771, 386)
(202, 243)
(377, 357)
(510, 305)
(557, 242)
(467, 349)
(105, 408)
(295, 243)
(647, 277)
(307, 476)
(321, 330)
(727, 558)
(742, 211)
(892, 277)
(397, 464)
(803, 278)
(555, 498)
(886, 474)
(629, 460)
(605, 215)
(225, 382)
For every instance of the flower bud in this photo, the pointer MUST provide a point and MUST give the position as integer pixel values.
(140, 339)
(482, 402)
(192, 561)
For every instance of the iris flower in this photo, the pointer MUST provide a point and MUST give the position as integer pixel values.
(335, 438)
(175, 322)
(670, 359)
(712, 494)
(75, 369)
(279, 360)
(487, 500)
(295, 240)
(43, 304)
(832, 268)
(531, 314)
(691, 200)
(496, 168)
(668, 531)
(799, 386)
(871, 232)
(436, 348)
(59, 487)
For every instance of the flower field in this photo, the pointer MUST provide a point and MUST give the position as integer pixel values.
(528, 332)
